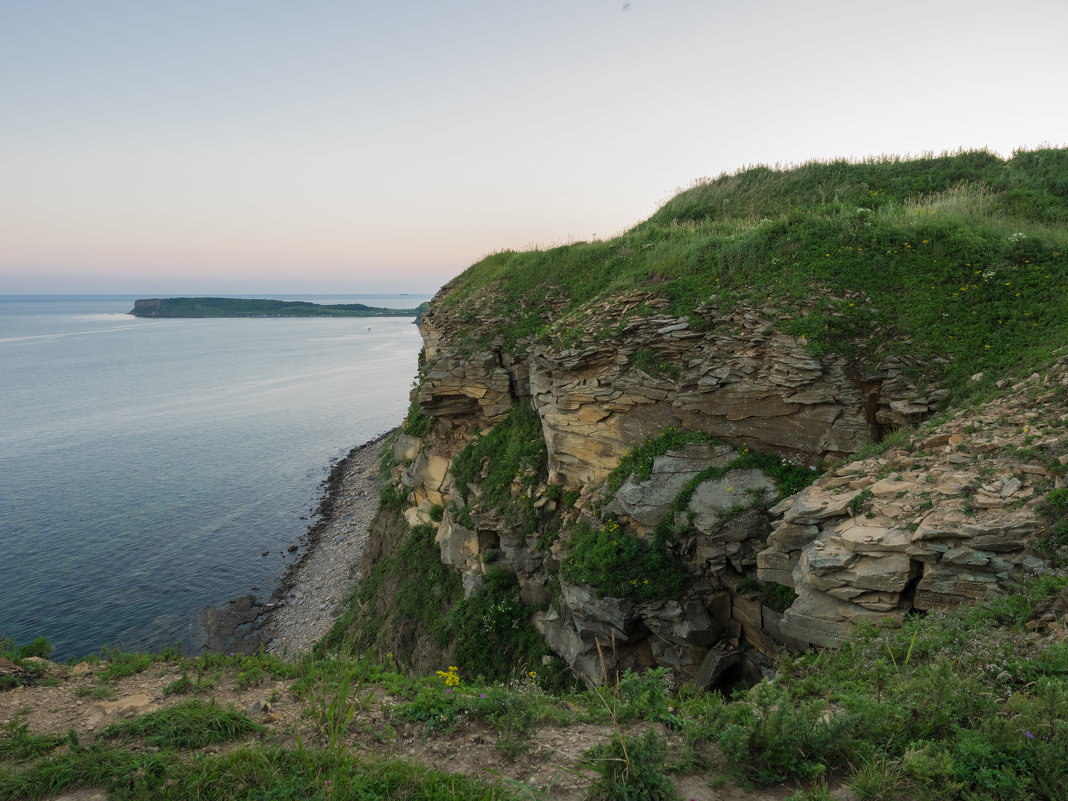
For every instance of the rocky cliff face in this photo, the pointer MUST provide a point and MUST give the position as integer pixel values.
(948, 517)
(731, 374)
(946, 520)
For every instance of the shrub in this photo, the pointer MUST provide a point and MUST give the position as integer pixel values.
(644, 696)
(631, 767)
(777, 738)
(416, 423)
(491, 631)
(512, 451)
(618, 564)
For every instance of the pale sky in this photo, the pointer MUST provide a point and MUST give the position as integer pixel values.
(187, 146)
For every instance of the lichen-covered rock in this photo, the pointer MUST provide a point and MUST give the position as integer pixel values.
(644, 503)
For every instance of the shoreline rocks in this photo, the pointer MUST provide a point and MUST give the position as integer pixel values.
(316, 586)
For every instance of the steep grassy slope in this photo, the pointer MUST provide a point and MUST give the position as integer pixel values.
(959, 258)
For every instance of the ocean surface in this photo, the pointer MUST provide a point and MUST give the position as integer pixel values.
(145, 465)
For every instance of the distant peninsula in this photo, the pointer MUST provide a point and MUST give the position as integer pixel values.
(257, 307)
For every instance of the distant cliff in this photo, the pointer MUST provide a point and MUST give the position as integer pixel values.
(241, 307)
(616, 442)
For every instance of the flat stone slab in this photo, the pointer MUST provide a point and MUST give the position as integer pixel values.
(867, 539)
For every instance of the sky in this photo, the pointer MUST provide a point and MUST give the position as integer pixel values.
(154, 146)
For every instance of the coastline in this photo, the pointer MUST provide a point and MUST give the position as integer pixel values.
(309, 596)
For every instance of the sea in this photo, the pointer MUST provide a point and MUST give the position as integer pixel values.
(147, 465)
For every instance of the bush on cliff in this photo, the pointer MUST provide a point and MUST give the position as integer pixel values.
(511, 453)
(403, 599)
(617, 564)
(491, 632)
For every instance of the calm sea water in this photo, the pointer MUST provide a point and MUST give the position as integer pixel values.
(146, 464)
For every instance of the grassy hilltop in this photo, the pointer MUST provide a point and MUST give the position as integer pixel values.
(962, 258)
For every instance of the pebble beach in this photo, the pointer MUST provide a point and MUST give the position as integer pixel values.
(315, 588)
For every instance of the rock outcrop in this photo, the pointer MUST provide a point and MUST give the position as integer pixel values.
(947, 517)
(731, 374)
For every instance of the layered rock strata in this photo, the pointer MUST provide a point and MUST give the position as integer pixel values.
(949, 518)
(946, 522)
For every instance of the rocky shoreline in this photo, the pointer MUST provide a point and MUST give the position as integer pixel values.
(308, 598)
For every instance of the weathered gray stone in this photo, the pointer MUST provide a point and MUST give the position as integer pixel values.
(737, 489)
(791, 536)
(777, 567)
(458, 545)
(823, 558)
(872, 539)
(610, 619)
(646, 502)
(716, 665)
(814, 504)
(816, 631)
(889, 486)
(406, 447)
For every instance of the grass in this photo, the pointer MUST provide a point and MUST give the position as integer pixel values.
(190, 724)
(18, 655)
(254, 773)
(959, 258)
(951, 706)
(420, 599)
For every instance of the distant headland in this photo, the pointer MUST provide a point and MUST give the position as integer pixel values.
(257, 307)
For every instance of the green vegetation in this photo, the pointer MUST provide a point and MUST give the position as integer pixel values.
(617, 564)
(488, 634)
(190, 724)
(1054, 544)
(491, 631)
(18, 743)
(261, 307)
(949, 707)
(26, 671)
(631, 767)
(961, 257)
(249, 773)
(421, 599)
(512, 453)
(416, 423)
(774, 596)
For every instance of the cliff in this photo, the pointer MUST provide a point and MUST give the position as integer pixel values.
(749, 423)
